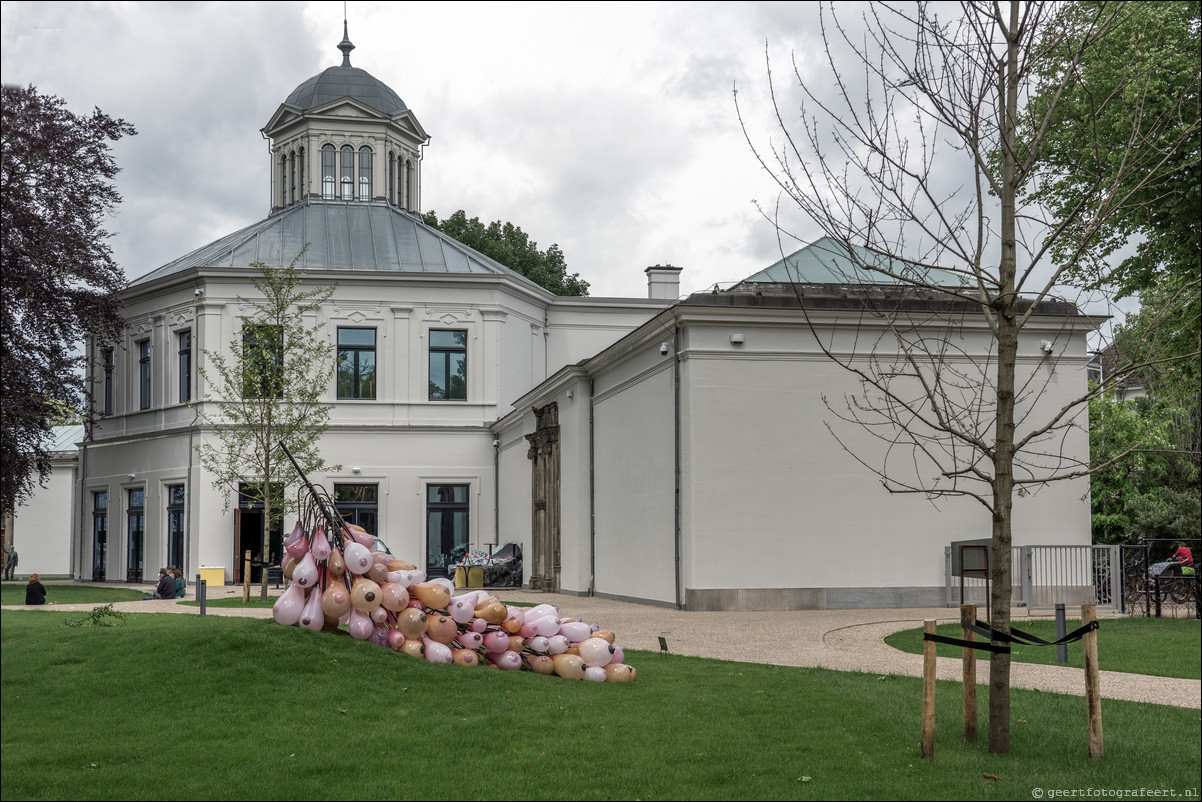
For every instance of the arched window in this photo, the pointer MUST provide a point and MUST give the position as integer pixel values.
(364, 173)
(292, 177)
(347, 157)
(389, 193)
(409, 185)
(327, 172)
(284, 180)
(301, 158)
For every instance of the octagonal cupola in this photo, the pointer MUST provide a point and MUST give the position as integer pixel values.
(344, 136)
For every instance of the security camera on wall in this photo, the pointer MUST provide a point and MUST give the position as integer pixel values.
(663, 349)
(198, 292)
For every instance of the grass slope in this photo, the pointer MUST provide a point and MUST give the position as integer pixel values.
(223, 708)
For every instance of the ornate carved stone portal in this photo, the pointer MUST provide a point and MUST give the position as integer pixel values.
(544, 453)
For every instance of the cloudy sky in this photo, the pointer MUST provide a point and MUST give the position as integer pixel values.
(608, 128)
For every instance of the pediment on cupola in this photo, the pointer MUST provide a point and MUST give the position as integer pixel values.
(346, 107)
(408, 123)
(285, 115)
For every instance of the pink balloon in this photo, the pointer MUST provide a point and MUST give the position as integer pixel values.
(358, 558)
(362, 538)
(297, 544)
(470, 640)
(312, 616)
(595, 674)
(496, 642)
(507, 660)
(379, 615)
(575, 631)
(557, 644)
(305, 574)
(379, 636)
(479, 625)
(287, 608)
(437, 652)
(596, 652)
(360, 625)
(538, 644)
(619, 655)
(320, 547)
(461, 609)
(540, 610)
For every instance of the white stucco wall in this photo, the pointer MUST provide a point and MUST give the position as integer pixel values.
(42, 528)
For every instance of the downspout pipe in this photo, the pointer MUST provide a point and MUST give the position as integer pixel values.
(676, 416)
(592, 498)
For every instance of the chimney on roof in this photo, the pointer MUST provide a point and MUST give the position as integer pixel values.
(663, 282)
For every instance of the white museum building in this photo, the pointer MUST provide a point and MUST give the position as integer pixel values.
(668, 450)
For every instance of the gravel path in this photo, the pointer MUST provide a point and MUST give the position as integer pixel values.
(843, 640)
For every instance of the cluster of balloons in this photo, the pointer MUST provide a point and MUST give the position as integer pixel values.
(338, 581)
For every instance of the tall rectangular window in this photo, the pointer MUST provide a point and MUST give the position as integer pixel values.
(185, 366)
(137, 532)
(100, 534)
(110, 365)
(263, 361)
(356, 363)
(448, 365)
(328, 182)
(144, 374)
(365, 173)
(358, 504)
(447, 509)
(175, 526)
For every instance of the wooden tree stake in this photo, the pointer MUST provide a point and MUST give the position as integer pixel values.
(968, 615)
(1093, 689)
(928, 692)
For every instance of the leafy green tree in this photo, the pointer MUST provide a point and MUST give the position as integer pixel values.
(1148, 487)
(265, 390)
(1134, 89)
(513, 248)
(59, 280)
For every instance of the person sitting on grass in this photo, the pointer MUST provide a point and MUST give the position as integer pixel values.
(35, 591)
(181, 584)
(165, 589)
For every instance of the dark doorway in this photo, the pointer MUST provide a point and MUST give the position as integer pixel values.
(447, 510)
(248, 536)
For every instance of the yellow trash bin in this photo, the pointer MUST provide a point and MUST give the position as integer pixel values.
(475, 576)
(213, 575)
(461, 577)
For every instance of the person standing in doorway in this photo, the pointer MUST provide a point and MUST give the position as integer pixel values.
(10, 562)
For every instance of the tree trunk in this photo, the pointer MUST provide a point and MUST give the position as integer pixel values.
(1007, 335)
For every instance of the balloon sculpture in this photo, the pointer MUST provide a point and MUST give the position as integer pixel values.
(336, 581)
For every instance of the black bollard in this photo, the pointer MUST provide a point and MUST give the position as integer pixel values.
(200, 593)
(1061, 631)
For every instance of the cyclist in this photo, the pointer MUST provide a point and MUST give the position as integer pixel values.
(1184, 558)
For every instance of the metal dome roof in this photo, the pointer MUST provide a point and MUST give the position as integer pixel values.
(346, 81)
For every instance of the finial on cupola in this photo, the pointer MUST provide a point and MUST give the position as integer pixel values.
(345, 46)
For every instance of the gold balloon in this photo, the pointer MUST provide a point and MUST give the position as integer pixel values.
(465, 657)
(493, 613)
(289, 564)
(336, 599)
(336, 563)
(378, 573)
(619, 672)
(511, 625)
(414, 648)
(366, 595)
(401, 565)
(569, 666)
(605, 635)
(412, 623)
(517, 643)
(441, 628)
(434, 595)
(540, 664)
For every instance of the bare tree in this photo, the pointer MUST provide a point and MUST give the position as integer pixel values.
(266, 389)
(920, 153)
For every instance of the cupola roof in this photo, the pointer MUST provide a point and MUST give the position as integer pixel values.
(346, 81)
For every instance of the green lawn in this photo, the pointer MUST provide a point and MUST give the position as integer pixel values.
(222, 708)
(1162, 647)
(14, 593)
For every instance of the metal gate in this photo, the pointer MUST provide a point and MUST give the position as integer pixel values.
(1045, 576)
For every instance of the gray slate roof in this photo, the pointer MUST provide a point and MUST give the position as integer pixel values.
(339, 82)
(826, 261)
(356, 236)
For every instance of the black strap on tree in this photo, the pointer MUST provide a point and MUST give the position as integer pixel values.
(1014, 636)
